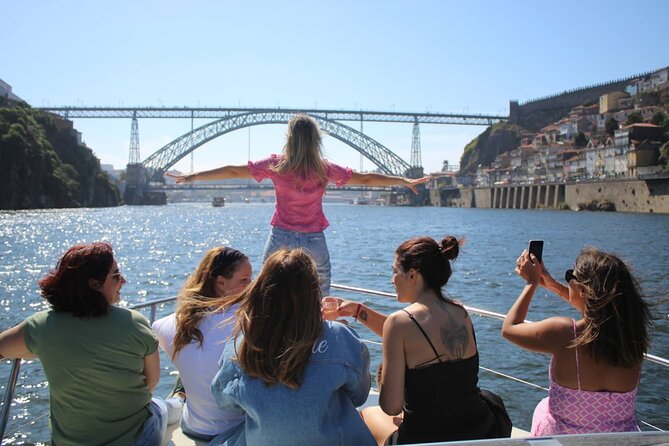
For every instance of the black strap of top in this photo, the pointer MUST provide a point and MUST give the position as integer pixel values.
(437, 355)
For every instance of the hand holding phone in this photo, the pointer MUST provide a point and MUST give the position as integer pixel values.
(537, 248)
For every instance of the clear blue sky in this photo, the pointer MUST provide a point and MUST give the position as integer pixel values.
(440, 56)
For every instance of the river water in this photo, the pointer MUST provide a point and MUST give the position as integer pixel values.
(157, 247)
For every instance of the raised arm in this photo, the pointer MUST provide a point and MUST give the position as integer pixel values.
(379, 179)
(13, 343)
(220, 173)
(547, 281)
(543, 336)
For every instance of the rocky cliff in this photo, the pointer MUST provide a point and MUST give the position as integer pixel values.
(43, 166)
(483, 149)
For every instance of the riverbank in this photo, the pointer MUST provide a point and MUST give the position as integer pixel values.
(626, 195)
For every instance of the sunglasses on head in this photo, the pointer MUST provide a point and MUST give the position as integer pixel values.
(569, 275)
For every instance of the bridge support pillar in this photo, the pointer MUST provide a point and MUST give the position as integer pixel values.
(135, 189)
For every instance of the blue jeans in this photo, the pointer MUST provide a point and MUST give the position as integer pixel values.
(154, 429)
(195, 436)
(312, 242)
(162, 414)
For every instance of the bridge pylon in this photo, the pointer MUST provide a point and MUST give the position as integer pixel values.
(416, 170)
(134, 141)
(137, 176)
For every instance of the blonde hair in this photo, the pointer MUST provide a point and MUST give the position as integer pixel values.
(279, 319)
(198, 296)
(302, 152)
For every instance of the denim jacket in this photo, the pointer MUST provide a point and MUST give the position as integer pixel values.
(322, 411)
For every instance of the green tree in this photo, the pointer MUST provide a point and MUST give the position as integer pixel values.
(658, 118)
(664, 156)
(611, 126)
(580, 140)
(634, 118)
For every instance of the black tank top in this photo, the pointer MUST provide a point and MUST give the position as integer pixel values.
(442, 401)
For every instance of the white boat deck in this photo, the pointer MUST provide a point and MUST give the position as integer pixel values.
(176, 438)
(519, 437)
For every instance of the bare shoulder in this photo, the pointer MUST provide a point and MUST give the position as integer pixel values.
(398, 318)
(559, 324)
(557, 332)
(397, 323)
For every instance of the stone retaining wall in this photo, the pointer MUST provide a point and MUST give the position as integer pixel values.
(626, 195)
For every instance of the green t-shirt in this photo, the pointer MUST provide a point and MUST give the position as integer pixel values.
(95, 371)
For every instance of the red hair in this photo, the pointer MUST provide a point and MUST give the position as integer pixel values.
(67, 287)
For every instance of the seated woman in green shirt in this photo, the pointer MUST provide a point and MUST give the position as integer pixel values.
(101, 361)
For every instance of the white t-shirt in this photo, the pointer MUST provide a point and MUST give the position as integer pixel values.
(197, 367)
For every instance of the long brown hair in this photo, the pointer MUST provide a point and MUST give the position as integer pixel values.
(302, 152)
(195, 300)
(279, 319)
(617, 319)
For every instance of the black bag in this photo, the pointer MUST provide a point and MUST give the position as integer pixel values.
(503, 422)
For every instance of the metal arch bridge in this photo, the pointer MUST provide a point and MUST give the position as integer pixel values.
(159, 162)
(230, 119)
(72, 112)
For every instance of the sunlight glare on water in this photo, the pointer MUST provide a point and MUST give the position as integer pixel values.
(158, 247)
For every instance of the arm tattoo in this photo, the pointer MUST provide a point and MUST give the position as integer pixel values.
(362, 315)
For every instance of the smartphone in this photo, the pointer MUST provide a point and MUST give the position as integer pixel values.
(537, 248)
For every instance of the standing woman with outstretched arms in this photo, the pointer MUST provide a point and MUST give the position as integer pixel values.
(300, 176)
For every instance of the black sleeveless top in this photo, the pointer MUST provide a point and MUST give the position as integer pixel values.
(442, 401)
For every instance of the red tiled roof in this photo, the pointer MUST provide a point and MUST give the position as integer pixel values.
(641, 124)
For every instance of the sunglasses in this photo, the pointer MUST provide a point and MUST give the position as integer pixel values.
(569, 275)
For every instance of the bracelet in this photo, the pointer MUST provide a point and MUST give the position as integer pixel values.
(357, 312)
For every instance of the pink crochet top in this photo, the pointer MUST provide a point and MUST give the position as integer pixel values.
(299, 203)
(576, 411)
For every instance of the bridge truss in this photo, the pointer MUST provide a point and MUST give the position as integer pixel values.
(160, 161)
(71, 112)
(228, 119)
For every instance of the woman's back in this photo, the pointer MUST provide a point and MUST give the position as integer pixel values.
(590, 374)
(585, 395)
(439, 343)
(197, 366)
(449, 329)
(321, 411)
(95, 371)
(299, 200)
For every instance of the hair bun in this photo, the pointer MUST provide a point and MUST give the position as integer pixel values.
(450, 247)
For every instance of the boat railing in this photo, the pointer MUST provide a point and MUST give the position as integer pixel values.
(153, 309)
